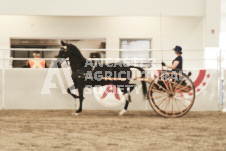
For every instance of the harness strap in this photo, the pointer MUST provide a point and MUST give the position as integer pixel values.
(83, 74)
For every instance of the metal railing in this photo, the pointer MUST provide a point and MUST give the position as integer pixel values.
(156, 56)
(152, 63)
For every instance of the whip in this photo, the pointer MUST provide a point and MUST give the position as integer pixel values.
(160, 20)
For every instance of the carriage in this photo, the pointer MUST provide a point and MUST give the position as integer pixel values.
(170, 94)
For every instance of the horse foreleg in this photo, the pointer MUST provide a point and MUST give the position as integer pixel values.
(73, 95)
(80, 90)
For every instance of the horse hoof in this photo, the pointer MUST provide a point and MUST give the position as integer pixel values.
(122, 112)
(75, 114)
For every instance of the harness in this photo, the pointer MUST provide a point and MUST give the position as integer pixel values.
(82, 71)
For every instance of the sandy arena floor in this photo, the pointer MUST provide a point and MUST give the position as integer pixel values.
(105, 130)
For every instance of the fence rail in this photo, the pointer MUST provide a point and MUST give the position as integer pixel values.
(57, 49)
(219, 59)
(157, 56)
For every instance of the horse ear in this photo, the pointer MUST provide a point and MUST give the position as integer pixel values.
(62, 43)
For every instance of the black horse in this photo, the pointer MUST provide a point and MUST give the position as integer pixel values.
(84, 73)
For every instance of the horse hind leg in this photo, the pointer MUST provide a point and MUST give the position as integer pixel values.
(128, 100)
(124, 110)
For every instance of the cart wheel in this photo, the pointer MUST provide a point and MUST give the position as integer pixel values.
(171, 94)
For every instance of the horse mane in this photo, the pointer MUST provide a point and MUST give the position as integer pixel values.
(76, 52)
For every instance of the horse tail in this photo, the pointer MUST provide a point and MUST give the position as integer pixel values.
(144, 87)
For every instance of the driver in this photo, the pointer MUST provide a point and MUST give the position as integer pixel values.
(177, 64)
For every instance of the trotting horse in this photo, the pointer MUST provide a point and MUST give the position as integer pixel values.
(81, 78)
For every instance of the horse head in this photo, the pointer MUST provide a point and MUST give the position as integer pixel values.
(72, 52)
(63, 53)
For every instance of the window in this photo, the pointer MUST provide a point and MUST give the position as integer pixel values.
(98, 43)
(135, 44)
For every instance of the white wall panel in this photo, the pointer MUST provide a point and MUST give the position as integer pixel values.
(213, 19)
(23, 89)
(103, 7)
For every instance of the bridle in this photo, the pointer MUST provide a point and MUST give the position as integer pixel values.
(63, 48)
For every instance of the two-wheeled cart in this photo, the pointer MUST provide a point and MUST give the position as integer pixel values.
(171, 94)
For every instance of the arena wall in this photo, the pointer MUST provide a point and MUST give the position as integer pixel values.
(192, 24)
(185, 31)
(23, 89)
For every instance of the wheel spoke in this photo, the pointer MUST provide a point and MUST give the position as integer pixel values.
(174, 82)
(167, 104)
(166, 85)
(182, 88)
(177, 105)
(160, 102)
(163, 104)
(178, 84)
(158, 96)
(181, 103)
(172, 106)
(170, 86)
(161, 86)
(158, 91)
